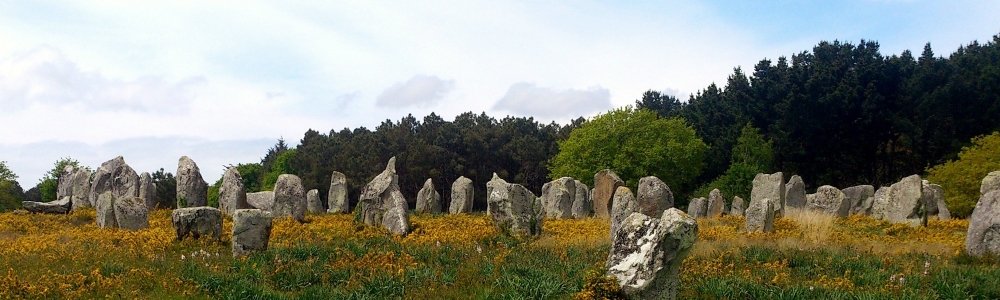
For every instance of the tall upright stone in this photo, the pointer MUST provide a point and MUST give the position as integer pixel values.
(795, 192)
(990, 182)
(336, 199)
(716, 204)
(513, 208)
(830, 200)
(251, 231)
(495, 182)
(739, 207)
(857, 195)
(771, 186)
(653, 196)
(115, 177)
(698, 208)
(606, 182)
(289, 198)
(192, 190)
(983, 235)
(558, 196)
(647, 253)
(760, 216)
(232, 193)
(934, 201)
(624, 205)
(582, 206)
(80, 189)
(428, 199)
(313, 204)
(147, 190)
(64, 184)
(903, 204)
(461, 196)
(382, 203)
(105, 207)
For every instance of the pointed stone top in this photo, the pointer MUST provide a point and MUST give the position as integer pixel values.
(429, 184)
(495, 176)
(391, 166)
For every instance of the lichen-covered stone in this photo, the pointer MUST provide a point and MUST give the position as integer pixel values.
(760, 215)
(313, 204)
(647, 253)
(198, 221)
(795, 192)
(80, 186)
(934, 201)
(261, 200)
(251, 231)
(698, 208)
(903, 202)
(770, 186)
(106, 211)
(983, 236)
(462, 193)
(582, 205)
(738, 207)
(337, 197)
(232, 193)
(289, 198)
(428, 199)
(382, 203)
(624, 204)
(558, 196)
(192, 190)
(606, 182)
(131, 213)
(857, 197)
(653, 196)
(716, 205)
(829, 200)
(513, 208)
(115, 177)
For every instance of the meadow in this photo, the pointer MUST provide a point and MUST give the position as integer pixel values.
(464, 257)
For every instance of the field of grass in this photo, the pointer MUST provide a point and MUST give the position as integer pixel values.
(463, 257)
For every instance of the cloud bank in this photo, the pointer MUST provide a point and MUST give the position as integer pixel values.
(419, 91)
(530, 100)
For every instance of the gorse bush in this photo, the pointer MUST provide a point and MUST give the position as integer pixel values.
(961, 178)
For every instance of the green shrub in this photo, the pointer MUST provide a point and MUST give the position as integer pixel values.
(961, 178)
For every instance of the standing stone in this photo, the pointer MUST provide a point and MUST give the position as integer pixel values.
(251, 231)
(829, 200)
(461, 196)
(382, 203)
(760, 215)
(496, 182)
(771, 186)
(795, 192)
(654, 196)
(647, 253)
(698, 208)
(606, 182)
(106, 210)
(857, 196)
(881, 197)
(192, 190)
(232, 194)
(116, 177)
(428, 199)
(131, 213)
(716, 204)
(983, 235)
(289, 198)
(80, 196)
(261, 200)
(513, 208)
(624, 205)
(198, 221)
(582, 206)
(147, 190)
(934, 201)
(313, 204)
(337, 197)
(904, 203)
(558, 196)
(61, 206)
(739, 207)
(990, 182)
(64, 185)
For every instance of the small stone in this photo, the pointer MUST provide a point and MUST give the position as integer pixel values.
(261, 200)
(582, 206)
(739, 207)
(251, 231)
(654, 196)
(198, 221)
(131, 213)
(61, 206)
(698, 208)
(337, 197)
(829, 200)
(716, 204)
(760, 216)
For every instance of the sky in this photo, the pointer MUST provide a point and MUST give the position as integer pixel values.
(222, 81)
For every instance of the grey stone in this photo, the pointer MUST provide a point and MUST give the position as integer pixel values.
(115, 177)
(934, 201)
(858, 197)
(289, 198)
(698, 208)
(313, 204)
(771, 186)
(716, 205)
(795, 192)
(131, 213)
(647, 253)
(461, 196)
(558, 196)
(382, 203)
(990, 183)
(198, 221)
(760, 215)
(653, 196)
(337, 197)
(624, 204)
(513, 208)
(251, 231)
(606, 182)
(80, 196)
(147, 190)
(983, 236)
(261, 200)
(428, 199)
(829, 200)
(192, 190)
(61, 206)
(582, 206)
(105, 206)
(232, 193)
(64, 186)
(903, 204)
(738, 207)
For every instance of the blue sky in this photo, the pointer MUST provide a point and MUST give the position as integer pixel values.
(221, 81)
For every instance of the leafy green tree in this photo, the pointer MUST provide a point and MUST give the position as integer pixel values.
(5, 173)
(282, 165)
(213, 193)
(49, 183)
(960, 179)
(11, 194)
(634, 143)
(166, 189)
(752, 154)
(251, 175)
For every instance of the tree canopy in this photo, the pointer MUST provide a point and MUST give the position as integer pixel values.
(960, 179)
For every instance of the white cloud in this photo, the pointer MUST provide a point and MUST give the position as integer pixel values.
(44, 76)
(419, 91)
(527, 99)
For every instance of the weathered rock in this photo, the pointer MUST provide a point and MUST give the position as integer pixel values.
(428, 199)
(513, 208)
(289, 198)
(494, 182)
(983, 235)
(771, 186)
(461, 196)
(738, 207)
(858, 196)
(147, 190)
(829, 200)
(990, 183)
(582, 206)
(251, 231)
(558, 196)
(903, 204)
(934, 201)
(795, 192)
(654, 196)
(61, 206)
(313, 204)
(192, 190)
(382, 203)
(881, 197)
(606, 182)
(337, 197)
(116, 177)
(698, 208)
(232, 193)
(760, 215)
(716, 205)
(131, 213)
(624, 204)
(106, 211)
(198, 221)
(64, 186)
(261, 200)
(80, 182)
(648, 251)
